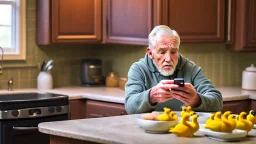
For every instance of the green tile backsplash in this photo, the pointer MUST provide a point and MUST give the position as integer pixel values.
(223, 67)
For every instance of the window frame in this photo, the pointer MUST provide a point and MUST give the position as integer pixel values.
(19, 32)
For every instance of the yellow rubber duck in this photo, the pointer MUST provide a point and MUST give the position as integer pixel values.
(183, 129)
(217, 116)
(173, 116)
(226, 125)
(186, 109)
(244, 124)
(232, 119)
(210, 118)
(194, 123)
(251, 116)
(215, 125)
(165, 115)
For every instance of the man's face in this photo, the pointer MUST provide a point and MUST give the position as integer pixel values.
(165, 55)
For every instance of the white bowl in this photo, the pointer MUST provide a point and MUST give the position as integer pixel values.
(152, 126)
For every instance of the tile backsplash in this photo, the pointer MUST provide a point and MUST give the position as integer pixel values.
(222, 66)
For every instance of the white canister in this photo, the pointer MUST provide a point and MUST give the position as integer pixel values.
(44, 81)
(249, 78)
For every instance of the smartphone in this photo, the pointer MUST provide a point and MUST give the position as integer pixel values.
(179, 81)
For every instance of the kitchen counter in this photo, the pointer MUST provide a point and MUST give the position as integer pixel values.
(116, 95)
(120, 129)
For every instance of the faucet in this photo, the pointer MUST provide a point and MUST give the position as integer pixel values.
(10, 84)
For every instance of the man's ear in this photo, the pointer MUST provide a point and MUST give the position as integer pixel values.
(149, 52)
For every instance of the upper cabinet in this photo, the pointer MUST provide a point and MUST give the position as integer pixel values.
(128, 21)
(245, 25)
(85, 21)
(195, 20)
(66, 21)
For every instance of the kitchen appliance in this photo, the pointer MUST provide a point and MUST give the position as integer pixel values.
(249, 78)
(91, 72)
(20, 115)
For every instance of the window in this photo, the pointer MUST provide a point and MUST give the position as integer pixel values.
(13, 29)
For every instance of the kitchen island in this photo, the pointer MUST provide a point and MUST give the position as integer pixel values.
(118, 129)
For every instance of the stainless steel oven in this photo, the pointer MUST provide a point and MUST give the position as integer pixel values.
(20, 115)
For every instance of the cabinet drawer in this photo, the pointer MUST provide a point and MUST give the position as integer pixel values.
(236, 107)
(96, 109)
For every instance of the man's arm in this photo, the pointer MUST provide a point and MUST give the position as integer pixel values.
(211, 98)
(136, 94)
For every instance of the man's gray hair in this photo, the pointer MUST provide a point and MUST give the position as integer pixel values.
(161, 30)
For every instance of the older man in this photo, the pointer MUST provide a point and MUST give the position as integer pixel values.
(150, 83)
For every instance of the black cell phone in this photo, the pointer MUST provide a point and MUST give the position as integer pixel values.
(179, 81)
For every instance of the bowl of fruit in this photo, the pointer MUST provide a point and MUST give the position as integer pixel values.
(158, 123)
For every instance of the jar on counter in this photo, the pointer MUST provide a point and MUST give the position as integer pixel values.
(112, 80)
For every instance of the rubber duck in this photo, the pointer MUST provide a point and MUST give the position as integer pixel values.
(215, 124)
(210, 118)
(232, 119)
(217, 116)
(244, 124)
(186, 109)
(226, 125)
(183, 129)
(173, 116)
(194, 123)
(165, 116)
(251, 116)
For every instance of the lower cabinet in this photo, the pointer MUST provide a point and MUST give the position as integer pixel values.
(81, 109)
(95, 109)
(237, 106)
(77, 109)
(253, 105)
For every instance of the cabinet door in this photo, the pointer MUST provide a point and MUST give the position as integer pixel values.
(236, 107)
(96, 109)
(253, 105)
(76, 20)
(245, 30)
(196, 20)
(77, 109)
(66, 21)
(128, 21)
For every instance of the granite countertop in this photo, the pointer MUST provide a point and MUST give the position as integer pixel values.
(121, 129)
(116, 95)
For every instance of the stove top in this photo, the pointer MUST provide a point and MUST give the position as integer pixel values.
(31, 100)
(28, 97)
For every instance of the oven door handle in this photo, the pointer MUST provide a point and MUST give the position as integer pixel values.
(25, 129)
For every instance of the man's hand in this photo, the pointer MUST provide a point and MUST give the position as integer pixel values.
(161, 92)
(187, 95)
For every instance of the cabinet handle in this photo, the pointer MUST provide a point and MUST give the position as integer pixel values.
(122, 113)
(229, 19)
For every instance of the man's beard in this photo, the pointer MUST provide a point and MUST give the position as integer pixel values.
(166, 73)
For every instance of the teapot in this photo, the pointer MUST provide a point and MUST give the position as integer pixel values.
(249, 78)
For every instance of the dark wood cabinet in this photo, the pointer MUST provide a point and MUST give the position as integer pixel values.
(253, 105)
(128, 21)
(65, 21)
(197, 20)
(77, 109)
(95, 109)
(236, 106)
(245, 21)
